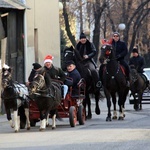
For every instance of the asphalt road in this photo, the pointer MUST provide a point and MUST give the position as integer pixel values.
(133, 133)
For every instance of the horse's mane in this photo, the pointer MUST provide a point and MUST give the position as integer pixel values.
(46, 76)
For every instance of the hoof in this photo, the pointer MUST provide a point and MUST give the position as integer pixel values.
(121, 118)
(53, 128)
(108, 119)
(41, 129)
(16, 131)
(47, 125)
(97, 111)
(28, 128)
(114, 117)
(89, 117)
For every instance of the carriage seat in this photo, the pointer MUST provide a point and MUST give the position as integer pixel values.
(79, 92)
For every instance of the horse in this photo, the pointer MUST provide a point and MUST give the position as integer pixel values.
(113, 81)
(137, 86)
(47, 95)
(72, 54)
(15, 97)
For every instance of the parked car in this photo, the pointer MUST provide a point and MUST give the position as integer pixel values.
(146, 93)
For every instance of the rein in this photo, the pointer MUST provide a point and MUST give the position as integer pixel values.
(118, 69)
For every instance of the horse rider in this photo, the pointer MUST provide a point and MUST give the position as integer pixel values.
(74, 74)
(55, 72)
(36, 67)
(120, 52)
(87, 51)
(138, 62)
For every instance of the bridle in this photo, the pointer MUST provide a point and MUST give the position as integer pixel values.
(107, 56)
(39, 85)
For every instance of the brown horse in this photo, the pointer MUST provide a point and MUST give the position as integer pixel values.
(47, 95)
(113, 81)
(137, 86)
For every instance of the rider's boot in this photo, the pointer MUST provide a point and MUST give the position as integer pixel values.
(128, 81)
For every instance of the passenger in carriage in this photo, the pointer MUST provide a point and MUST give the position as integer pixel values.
(55, 72)
(138, 62)
(36, 67)
(121, 51)
(87, 51)
(74, 75)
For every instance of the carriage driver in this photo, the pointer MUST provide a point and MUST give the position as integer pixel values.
(36, 67)
(87, 51)
(55, 72)
(121, 51)
(138, 62)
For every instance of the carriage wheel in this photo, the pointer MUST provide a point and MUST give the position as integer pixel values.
(72, 116)
(81, 115)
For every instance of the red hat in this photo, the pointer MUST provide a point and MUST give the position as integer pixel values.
(48, 58)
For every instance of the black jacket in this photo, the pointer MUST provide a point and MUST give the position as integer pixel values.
(138, 62)
(87, 49)
(120, 49)
(56, 73)
(75, 75)
(31, 76)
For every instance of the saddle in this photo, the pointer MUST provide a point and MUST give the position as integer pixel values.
(145, 79)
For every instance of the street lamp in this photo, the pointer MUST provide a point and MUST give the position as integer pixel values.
(121, 26)
(60, 6)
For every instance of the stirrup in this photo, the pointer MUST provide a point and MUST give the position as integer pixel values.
(128, 84)
(99, 84)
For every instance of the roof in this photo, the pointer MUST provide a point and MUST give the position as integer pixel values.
(13, 4)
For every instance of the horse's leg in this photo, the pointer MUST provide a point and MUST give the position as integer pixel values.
(97, 96)
(88, 101)
(114, 103)
(108, 118)
(53, 114)
(135, 102)
(9, 117)
(47, 120)
(120, 103)
(43, 121)
(140, 100)
(27, 117)
(54, 121)
(16, 120)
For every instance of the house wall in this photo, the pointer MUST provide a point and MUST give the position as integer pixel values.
(43, 32)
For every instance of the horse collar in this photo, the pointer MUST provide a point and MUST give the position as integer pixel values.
(113, 76)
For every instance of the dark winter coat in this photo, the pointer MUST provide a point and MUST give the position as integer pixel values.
(87, 49)
(75, 75)
(31, 76)
(56, 73)
(138, 62)
(120, 49)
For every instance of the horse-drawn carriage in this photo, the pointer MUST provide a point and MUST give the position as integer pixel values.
(71, 107)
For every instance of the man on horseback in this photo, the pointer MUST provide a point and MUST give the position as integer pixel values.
(121, 51)
(87, 51)
(138, 62)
